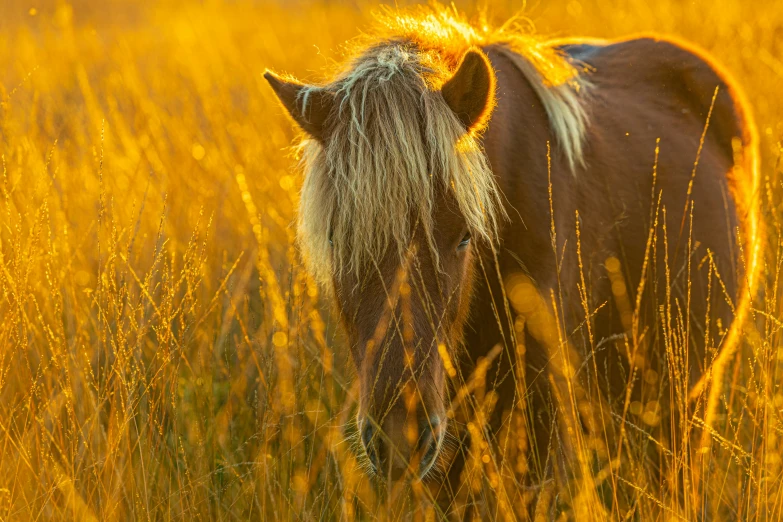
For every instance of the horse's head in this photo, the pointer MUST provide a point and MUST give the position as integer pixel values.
(397, 194)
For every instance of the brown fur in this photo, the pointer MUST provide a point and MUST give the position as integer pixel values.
(407, 301)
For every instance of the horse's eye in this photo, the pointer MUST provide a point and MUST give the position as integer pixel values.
(465, 242)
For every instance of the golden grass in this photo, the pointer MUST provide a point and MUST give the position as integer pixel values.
(164, 356)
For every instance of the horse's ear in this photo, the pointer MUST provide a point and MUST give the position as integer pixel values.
(310, 109)
(471, 91)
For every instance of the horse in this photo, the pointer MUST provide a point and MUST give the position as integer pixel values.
(481, 201)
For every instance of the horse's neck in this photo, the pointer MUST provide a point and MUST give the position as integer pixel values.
(516, 146)
(523, 154)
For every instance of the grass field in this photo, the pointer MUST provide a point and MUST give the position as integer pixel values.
(163, 354)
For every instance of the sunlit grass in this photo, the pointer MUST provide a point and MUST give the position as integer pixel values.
(163, 354)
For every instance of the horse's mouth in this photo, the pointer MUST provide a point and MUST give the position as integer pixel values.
(426, 463)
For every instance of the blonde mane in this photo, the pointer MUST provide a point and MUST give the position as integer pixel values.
(395, 143)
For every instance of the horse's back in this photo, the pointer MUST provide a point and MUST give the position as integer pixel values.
(659, 74)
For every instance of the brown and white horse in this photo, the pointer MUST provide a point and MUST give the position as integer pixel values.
(450, 169)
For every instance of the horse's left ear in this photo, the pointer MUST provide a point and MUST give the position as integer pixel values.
(471, 91)
(310, 108)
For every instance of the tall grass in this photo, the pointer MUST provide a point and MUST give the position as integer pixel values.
(163, 355)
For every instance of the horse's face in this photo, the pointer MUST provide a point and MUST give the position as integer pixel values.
(405, 307)
(403, 319)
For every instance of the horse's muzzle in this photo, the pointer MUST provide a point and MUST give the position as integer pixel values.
(397, 451)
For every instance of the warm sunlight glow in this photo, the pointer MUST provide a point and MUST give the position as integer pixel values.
(172, 345)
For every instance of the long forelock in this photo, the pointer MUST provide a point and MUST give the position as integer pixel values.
(393, 146)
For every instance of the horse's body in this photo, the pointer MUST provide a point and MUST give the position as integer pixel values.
(644, 92)
(590, 149)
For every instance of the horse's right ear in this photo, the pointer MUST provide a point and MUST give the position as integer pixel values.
(309, 108)
(471, 91)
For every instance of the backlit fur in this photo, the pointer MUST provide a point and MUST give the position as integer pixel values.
(394, 142)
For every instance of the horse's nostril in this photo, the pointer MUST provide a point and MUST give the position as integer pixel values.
(428, 444)
(367, 433)
(425, 437)
(370, 443)
(429, 456)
